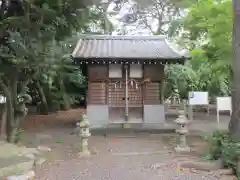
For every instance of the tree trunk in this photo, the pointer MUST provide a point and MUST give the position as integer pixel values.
(66, 99)
(11, 129)
(44, 104)
(14, 113)
(3, 121)
(234, 125)
(9, 110)
(107, 25)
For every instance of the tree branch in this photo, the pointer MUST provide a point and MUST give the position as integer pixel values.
(144, 20)
(2, 9)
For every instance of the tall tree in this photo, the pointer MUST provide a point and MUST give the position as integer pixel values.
(234, 125)
(27, 30)
(158, 15)
(207, 32)
(101, 23)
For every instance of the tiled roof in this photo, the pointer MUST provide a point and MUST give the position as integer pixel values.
(125, 47)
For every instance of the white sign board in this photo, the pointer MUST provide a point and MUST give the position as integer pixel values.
(2, 99)
(224, 104)
(115, 71)
(198, 98)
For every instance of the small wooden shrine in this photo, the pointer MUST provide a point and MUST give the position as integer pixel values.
(125, 77)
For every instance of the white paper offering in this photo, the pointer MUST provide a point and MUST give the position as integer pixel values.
(115, 71)
(136, 71)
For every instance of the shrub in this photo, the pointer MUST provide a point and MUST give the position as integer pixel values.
(221, 145)
(19, 135)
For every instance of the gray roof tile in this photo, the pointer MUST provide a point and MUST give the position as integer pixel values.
(129, 47)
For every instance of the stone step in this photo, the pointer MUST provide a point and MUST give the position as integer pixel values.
(135, 128)
(15, 165)
(26, 176)
(17, 160)
(8, 150)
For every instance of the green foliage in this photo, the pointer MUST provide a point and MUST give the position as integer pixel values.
(198, 74)
(33, 48)
(19, 136)
(211, 20)
(59, 73)
(207, 32)
(221, 145)
(216, 141)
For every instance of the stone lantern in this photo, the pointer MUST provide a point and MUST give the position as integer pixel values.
(182, 131)
(84, 134)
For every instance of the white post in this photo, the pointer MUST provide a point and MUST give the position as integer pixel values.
(218, 109)
(218, 119)
(208, 110)
(190, 112)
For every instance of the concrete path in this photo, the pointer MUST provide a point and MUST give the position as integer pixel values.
(204, 124)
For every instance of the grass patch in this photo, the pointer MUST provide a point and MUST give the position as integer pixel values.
(59, 140)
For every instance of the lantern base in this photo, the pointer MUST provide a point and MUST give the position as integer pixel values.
(126, 126)
(84, 154)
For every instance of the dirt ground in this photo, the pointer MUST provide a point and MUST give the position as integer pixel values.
(202, 122)
(140, 157)
(33, 122)
(115, 156)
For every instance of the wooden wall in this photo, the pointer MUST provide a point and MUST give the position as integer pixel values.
(154, 71)
(99, 86)
(97, 73)
(152, 90)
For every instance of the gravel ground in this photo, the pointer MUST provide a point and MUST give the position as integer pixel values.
(63, 162)
(117, 168)
(140, 157)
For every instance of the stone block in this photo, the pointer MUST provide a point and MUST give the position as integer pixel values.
(202, 166)
(27, 176)
(15, 165)
(44, 149)
(221, 172)
(182, 149)
(228, 177)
